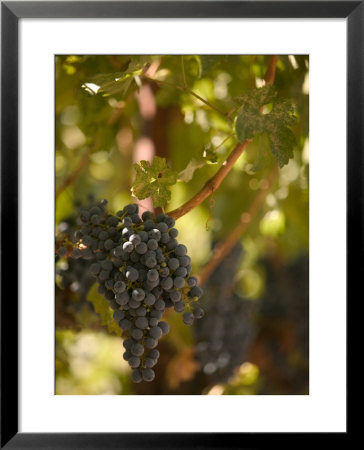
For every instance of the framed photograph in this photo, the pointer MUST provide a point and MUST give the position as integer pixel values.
(181, 193)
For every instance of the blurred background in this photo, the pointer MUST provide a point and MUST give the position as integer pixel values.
(115, 110)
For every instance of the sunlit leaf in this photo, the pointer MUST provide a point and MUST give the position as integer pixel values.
(251, 120)
(187, 173)
(154, 180)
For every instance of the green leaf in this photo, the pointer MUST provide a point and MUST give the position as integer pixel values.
(282, 143)
(119, 82)
(154, 180)
(187, 173)
(250, 120)
(102, 308)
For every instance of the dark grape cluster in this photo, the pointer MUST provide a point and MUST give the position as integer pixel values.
(141, 270)
(224, 336)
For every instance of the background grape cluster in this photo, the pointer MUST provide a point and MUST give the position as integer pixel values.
(224, 336)
(141, 270)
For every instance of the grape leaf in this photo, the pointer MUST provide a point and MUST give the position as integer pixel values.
(154, 180)
(119, 82)
(187, 173)
(102, 308)
(250, 120)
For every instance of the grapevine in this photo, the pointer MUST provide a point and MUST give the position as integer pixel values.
(141, 270)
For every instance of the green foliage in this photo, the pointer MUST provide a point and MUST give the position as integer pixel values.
(119, 82)
(101, 307)
(251, 120)
(154, 180)
(187, 173)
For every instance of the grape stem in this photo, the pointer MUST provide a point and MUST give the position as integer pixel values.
(213, 183)
(223, 249)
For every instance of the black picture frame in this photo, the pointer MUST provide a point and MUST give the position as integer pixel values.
(11, 12)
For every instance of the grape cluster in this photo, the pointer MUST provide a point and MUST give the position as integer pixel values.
(224, 336)
(141, 270)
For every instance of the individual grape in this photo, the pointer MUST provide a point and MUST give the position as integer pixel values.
(155, 332)
(141, 311)
(153, 322)
(150, 343)
(137, 334)
(171, 244)
(164, 238)
(192, 281)
(131, 209)
(149, 299)
(118, 315)
(84, 216)
(76, 253)
(149, 362)
(188, 318)
(150, 262)
(113, 305)
(148, 374)
(127, 222)
(135, 218)
(135, 239)
(196, 291)
(178, 282)
(180, 250)
(179, 306)
(62, 252)
(155, 234)
(152, 244)
(109, 244)
(148, 225)
(181, 272)
(134, 362)
(184, 261)
(143, 236)
(95, 268)
(106, 264)
(141, 248)
(128, 247)
(147, 215)
(138, 294)
(103, 235)
(167, 283)
(119, 287)
(125, 324)
(136, 376)
(137, 349)
(155, 313)
(127, 355)
(159, 305)
(122, 298)
(152, 275)
(104, 275)
(175, 296)
(112, 221)
(131, 274)
(198, 312)
(142, 323)
(164, 327)
(173, 263)
(162, 227)
(134, 304)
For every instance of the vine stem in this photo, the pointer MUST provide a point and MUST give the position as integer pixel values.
(213, 183)
(224, 248)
